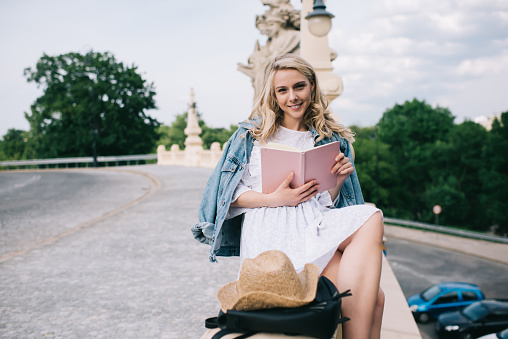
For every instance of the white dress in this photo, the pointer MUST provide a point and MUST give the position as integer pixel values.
(308, 233)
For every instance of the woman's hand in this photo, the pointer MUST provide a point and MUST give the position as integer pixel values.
(283, 195)
(287, 196)
(343, 168)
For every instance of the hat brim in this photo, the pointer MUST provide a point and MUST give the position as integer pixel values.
(229, 298)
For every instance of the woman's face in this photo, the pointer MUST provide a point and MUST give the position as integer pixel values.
(293, 93)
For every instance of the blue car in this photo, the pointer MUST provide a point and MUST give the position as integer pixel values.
(443, 297)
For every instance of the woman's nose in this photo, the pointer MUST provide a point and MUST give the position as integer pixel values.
(292, 95)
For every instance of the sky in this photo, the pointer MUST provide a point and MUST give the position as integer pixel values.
(450, 53)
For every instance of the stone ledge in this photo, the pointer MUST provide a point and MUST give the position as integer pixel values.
(398, 321)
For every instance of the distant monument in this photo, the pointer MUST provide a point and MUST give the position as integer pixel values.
(193, 155)
(281, 24)
(487, 121)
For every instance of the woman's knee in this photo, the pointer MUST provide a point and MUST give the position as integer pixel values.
(372, 230)
(376, 226)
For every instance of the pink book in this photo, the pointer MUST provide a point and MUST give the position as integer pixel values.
(277, 161)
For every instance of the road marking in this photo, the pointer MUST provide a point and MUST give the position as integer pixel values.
(30, 181)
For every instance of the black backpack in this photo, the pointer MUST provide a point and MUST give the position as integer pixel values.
(319, 319)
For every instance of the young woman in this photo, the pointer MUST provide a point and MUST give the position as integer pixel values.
(334, 229)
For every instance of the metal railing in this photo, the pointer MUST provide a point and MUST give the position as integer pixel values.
(447, 230)
(77, 161)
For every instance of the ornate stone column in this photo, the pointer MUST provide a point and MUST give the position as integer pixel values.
(193, 143)
(317, 51)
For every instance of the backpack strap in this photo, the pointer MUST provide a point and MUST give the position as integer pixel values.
(344, 294)
(212, 323)
(221, 334)
(246, 335)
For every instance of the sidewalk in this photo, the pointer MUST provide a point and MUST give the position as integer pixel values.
(484, 249)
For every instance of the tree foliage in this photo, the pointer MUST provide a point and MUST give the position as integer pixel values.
(411, 131)
(221, 135)
(13, 145)
(174, 134)
(494, 176)
(416, 157)
(90, 99)
(376, 173)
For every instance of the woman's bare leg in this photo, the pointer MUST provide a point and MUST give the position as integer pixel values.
(375, 333)
(358, 268)
(331, 271)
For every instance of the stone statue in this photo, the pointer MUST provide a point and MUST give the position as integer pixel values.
(281, 24)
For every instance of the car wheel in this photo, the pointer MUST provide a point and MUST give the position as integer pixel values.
(424, 317)
(466, 336)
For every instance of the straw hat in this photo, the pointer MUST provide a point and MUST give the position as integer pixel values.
(267, 281)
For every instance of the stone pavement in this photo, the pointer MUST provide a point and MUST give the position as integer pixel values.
(135, 272)
(133, 269)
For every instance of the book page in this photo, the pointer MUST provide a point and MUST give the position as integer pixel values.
(276, 165)
(274, 145)
(318, 164)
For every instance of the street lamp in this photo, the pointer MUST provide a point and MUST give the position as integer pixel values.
(320, 21)
(88, 62)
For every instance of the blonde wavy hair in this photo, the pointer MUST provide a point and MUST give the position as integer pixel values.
(317, 114)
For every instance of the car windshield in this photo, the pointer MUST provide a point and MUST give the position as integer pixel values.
(503, 334)
(430, 293)
(475, 311)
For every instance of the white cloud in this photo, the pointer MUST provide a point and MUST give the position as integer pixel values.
(430, 50)
(503, 16)
(484, 66)
(452, 23)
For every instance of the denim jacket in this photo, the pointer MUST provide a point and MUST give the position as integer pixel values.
(224, 234)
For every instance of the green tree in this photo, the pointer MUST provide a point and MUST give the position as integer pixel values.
(221, 135)
(13, 145)
(494, 175)
(455, 205)
(455, 177)
(174, 134)
(90, 100)
(376, 171)
(412, 131)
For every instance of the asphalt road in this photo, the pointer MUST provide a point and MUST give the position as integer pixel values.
(418, 266)
(36, 206)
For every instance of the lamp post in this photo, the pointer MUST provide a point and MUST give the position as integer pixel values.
(320, 21)
(315, 24)
(94, 119)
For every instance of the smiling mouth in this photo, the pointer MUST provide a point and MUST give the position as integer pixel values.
(295, 106)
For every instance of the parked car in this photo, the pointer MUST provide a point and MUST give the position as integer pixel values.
(498, 335)
(443, 297)
(482, 317)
